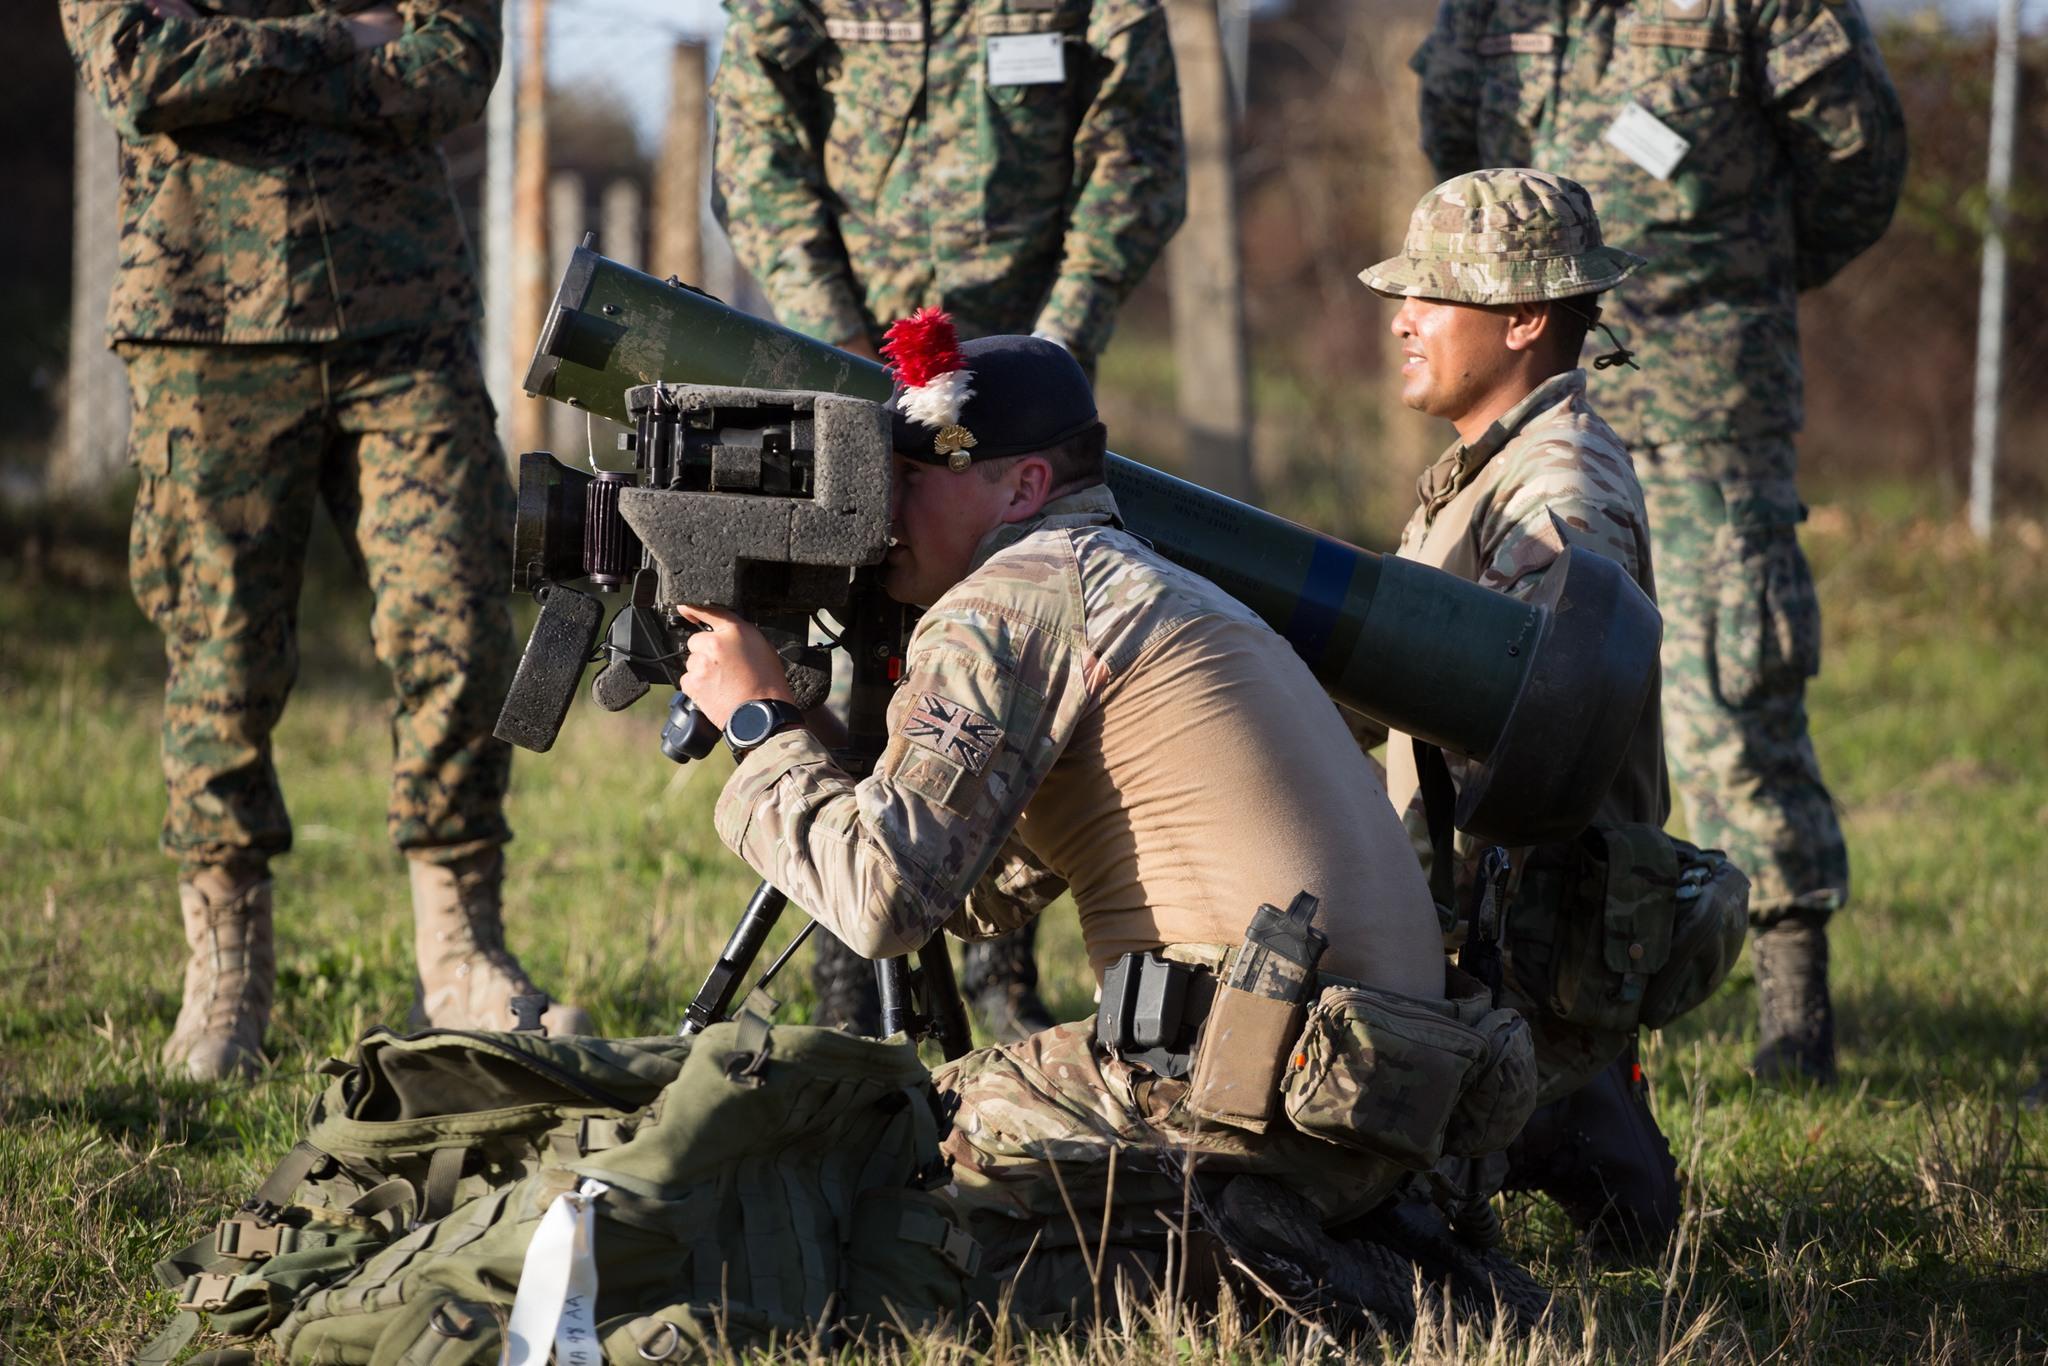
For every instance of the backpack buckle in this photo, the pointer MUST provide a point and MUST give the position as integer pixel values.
(526, 1012)
(251, 1240)
(209, 1290)
(959, 1248)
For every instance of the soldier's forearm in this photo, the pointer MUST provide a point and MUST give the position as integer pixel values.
(795, 817)
(429, 82)
(156, 75)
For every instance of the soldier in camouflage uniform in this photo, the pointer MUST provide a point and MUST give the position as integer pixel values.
(874, 158)
(1749, 149)
(1497, 283)
(1079, 713)
(295, 307)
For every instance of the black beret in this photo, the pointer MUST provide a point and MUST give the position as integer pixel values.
(1030, 395)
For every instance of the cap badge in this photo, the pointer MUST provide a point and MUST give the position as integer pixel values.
(953, 442)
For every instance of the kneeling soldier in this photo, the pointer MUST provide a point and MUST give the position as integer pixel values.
(1077, 713)
(1496, 282)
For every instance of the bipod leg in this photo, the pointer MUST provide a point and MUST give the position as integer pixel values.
(899, 1011)
(924, 1004)
(714, 998)
(945, 1015)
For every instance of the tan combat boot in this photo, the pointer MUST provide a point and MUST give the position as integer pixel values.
(230, 976)
(467, 977)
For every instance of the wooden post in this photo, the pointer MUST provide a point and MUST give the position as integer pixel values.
(531, 287)
(1204, 272)
(95, 387)
(501, 133)
(568, 432)
(679, 174)
(621, 231)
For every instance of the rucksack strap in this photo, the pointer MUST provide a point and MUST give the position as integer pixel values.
(1439, 799)
(284, 1179)
(1480, 954)
(444, 1174)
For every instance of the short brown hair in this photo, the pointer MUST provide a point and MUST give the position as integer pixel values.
(1076, 462)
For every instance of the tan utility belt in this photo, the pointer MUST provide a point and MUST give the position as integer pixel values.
(1405, 1079)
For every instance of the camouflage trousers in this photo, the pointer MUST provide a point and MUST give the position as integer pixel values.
(234, 446)
(1058, 1150)
(1741, 637)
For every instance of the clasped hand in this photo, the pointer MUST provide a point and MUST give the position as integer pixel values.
(369, 28)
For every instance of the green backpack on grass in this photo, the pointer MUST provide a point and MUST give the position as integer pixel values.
(637, 1200)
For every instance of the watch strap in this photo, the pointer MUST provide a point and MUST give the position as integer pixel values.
(782, 716)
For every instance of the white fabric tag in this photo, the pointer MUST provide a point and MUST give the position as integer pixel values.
(555, 1309)
(1647, 140)
(1027, 59)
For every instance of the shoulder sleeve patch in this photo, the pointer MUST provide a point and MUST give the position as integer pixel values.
(931, 776)
(959, 735)
(1804, 55)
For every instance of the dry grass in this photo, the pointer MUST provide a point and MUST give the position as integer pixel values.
(1899, 1218)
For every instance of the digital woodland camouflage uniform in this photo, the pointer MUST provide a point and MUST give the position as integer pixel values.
(1767, 149)
(295, 304)
(1547, 475)
(874, 157)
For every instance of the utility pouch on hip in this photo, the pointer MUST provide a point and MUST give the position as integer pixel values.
(1625, 926)
(1409, 1080)
(1256, 1018)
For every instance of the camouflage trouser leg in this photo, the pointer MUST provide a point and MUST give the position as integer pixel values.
(1042, 1122)
(234, 444)
(1741, 637)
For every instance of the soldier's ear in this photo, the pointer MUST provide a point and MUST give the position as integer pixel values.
(1528, 324)
(1031, 485)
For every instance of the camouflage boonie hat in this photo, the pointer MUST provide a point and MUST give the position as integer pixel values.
(1504, 236)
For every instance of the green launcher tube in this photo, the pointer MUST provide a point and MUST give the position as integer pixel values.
(1545, 693)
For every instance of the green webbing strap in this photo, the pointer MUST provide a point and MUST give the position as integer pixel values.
(277, 1188)
(444, 1174)
(397, 1193)
(932, 1229)
(748, 1061)
(188, 1261)
(165, 1346)
(1439, 799)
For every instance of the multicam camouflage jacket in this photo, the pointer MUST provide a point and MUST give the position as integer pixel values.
(1790, 155)
(1015, 162)
(277, 185)
(1080, 713)
(1498, 512)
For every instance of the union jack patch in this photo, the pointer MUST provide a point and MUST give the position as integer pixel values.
(952, 730)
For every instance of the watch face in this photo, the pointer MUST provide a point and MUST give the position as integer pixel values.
(749, 723)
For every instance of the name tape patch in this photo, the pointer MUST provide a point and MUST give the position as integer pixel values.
(1027, 59)
(1647, 140)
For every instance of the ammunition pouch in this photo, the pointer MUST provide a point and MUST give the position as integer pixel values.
(1625, 927)
(1152, 1011)
(1246, 1043)
(1410, 1080)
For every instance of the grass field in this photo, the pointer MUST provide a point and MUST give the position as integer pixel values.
(1900, 1217)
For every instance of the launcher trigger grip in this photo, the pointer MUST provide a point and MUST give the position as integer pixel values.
(689, 733)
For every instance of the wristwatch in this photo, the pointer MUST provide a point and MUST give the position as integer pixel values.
(751, 723)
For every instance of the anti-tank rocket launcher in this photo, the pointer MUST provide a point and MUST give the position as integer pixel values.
(738, 437)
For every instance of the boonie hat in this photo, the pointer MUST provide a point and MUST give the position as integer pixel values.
(955, 403)
(1504, 236)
